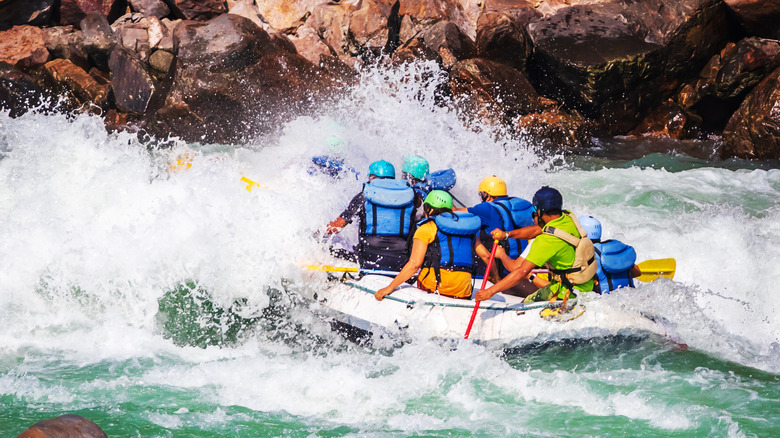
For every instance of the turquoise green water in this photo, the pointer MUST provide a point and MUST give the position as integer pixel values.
(163, 304)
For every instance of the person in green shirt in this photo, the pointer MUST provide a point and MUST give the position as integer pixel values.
(546, 250)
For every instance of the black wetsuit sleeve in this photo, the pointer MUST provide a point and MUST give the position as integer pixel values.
(354, 209)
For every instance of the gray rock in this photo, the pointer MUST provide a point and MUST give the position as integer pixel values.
(151, 8)
(161, 61)
(132, 84)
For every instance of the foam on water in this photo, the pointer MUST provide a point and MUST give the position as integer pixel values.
(95, 231)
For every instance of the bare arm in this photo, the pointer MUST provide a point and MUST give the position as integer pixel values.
(410, 268)
(526, 233)
(510, 280)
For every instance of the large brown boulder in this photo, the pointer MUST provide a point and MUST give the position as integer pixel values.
(283, 14)
(67, 43)
(234, 87)
(151, 8)
(614, 60)
(99, 39)
(501, 32)
(32, 12)
(368, 32)
(757, 17)
(71, 79)
(65, 426)
(18, 91)
(670, 120)
(24, 47)
(556, 129)
(197, 9)
(728, 78)
(494, 85)
(447, 39)
(73, 11)
(754, 130)
(133, 86)
(421, 14)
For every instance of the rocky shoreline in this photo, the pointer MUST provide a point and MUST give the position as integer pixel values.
(562, 70)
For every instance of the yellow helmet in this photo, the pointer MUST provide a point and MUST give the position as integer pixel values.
(493, 186)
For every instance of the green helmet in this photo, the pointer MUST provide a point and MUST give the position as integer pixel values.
(439, 199)
(382, 169)
(416, 166)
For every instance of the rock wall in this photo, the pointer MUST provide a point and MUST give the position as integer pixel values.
(223, 71)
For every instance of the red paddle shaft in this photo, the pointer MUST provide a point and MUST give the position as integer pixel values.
(484, 282)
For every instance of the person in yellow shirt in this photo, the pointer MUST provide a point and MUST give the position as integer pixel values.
(444, 246)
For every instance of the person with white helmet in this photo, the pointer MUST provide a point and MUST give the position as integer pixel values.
(616, 260)
(384, 209)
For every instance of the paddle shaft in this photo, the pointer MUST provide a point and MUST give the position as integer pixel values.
(484, 282)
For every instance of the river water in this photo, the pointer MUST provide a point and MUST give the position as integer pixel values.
(157, 303)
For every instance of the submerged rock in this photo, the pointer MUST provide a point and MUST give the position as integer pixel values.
(65, 426)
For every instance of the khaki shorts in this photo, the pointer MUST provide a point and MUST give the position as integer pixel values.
(546, 293)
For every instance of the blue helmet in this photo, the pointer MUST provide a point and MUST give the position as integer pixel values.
(416, 167)
(548, 199)
(382, 169)
(592, 227)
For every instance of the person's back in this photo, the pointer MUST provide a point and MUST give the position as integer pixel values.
(386, 224)
(615, 259)
(384, 209)
(498, 211)
(450, 258)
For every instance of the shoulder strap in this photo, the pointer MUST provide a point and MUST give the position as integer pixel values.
(563, 235)
(508, 213)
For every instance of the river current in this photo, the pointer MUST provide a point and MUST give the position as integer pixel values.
(157, 302)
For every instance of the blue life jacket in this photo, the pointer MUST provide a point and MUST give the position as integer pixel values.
(389, 208)
(615, 261)
(516, 213)
(453, 248)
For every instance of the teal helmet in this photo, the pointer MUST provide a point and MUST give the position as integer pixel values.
(381, 169)
(592, 226)
(335, 144)
(416, 167)
(439, 199)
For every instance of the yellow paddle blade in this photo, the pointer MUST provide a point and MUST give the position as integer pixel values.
(654, 269)
(330, 268)
(250, 184)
